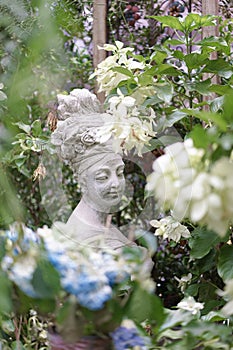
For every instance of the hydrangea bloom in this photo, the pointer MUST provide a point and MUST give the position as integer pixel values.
(20, 260)
(88, 275)
(171, 229)
(126, 338)
(190, 187)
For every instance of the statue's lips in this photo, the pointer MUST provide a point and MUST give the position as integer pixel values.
(113, 194)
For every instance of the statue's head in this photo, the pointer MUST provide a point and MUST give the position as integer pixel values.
(97, 168)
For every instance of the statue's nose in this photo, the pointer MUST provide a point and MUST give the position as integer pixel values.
(115, 181)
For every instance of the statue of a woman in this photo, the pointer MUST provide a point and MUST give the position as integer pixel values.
(98, 169)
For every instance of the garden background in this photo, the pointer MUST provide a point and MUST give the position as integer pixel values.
(184, 75)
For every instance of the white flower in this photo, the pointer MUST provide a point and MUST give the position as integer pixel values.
(121, 105)
(228, 295)
(129, 132)
(171, 229)
(183, 281)
(191, 187)
(171, 179)
(107, 76)
(191, 305)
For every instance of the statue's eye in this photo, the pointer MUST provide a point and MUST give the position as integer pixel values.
(120, 173)
(101, 176)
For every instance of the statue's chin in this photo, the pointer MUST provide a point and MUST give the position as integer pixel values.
(109, 207)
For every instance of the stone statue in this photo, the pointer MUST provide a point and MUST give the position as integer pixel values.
(97, 168)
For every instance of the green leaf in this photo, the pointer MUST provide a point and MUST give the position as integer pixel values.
(167, 69)
(201, 86)
(158, 57)
(217, 104)
(5, 294)
(164, 91)
(202, 241)
(178, 54)
(228, 107)
(175, 318)
(192, 290)
(220, 89)
(199, 136)
(220, 67)
(144, 306)
(207, 116)
(36, 128)
(175, 42)
(145, 79)
(174, 117)
(20, 161)
(2, 247)
(207, 262)
(208, 20)
(24, 127)
(17, 345)
(214, 316)
(216, 42)
(225, 263)
(169, 21)
(196, 21)
(46, 280)
(195, 60)
(8, 326)
(124, 71)
(207, 291)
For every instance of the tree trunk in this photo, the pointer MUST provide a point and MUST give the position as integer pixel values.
(99, 35)
(210, 7)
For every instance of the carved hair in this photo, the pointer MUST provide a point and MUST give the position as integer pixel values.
(79, 117)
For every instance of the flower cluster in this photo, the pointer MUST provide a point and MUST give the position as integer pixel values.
(88, 275)
(126, 338)
(183, 182)
(130, 126)
(20, 260)
(171, 229)
(109, 78)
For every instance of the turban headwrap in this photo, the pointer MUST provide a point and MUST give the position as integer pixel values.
(79, 117)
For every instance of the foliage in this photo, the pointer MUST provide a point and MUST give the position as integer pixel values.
(191, 180)
(39, 58)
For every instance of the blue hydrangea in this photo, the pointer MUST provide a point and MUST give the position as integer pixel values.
(106, 263)
(90, 286)
(19, 263)
(91, 290)
(126, 338)
(23, 243)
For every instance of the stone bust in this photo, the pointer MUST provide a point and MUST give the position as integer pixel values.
(97, 168)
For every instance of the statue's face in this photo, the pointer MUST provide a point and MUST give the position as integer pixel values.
(105, 184)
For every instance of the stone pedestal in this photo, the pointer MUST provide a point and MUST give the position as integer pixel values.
(86, 343)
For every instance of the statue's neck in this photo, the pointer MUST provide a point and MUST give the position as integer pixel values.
(90, 215)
